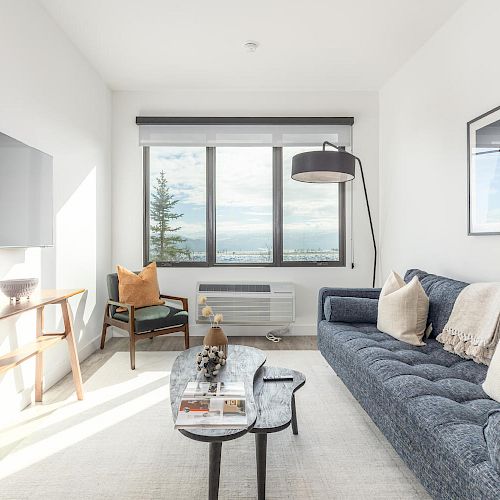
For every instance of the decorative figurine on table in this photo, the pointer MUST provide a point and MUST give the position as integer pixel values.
(210, 361)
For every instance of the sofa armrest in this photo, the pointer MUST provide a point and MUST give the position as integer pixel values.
(368, 293)
(491, 431)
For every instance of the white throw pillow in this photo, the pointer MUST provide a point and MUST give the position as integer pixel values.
(403, 309)
(491, 385)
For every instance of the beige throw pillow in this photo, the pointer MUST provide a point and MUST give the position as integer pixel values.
(139, 290)
(403, 309)
(491, 385)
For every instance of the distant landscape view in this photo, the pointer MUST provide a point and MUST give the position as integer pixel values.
(243, 208)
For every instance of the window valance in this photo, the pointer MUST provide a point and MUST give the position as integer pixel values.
(214, 132)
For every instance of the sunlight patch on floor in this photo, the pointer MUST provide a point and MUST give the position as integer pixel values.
(113, 394)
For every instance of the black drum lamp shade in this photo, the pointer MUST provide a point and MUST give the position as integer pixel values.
(323, 166)
(332, 166)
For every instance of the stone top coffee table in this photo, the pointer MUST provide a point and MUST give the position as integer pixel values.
(270, 406)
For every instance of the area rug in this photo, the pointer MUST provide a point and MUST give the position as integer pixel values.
(120, 443)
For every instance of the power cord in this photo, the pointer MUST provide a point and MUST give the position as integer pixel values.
(277, 334)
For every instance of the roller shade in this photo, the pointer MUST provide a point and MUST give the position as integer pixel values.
(243, 134)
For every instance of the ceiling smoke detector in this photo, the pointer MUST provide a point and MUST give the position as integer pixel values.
(251, 46)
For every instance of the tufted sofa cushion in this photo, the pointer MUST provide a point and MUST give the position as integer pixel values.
(491, 433)
(428, 402)
(442, 293)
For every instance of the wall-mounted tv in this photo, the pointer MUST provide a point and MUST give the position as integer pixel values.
(26, 197)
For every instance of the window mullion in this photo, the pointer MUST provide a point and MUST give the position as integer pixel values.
(342, 223)
(146, 189)
(277, 206)
(210, 206)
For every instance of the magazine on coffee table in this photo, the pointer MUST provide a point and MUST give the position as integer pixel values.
(212, 405)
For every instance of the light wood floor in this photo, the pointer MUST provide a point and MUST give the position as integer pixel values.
(65, 387)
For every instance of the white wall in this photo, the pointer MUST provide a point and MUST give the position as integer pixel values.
(52, 99)
(128, 200)
(424, 109)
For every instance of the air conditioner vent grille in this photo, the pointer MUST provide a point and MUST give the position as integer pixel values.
(248, 303)
(240, 288)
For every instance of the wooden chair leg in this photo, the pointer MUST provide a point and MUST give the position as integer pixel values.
(104, 326)
(104, 331)
(132, 350)
(186, 336)
(131, 329)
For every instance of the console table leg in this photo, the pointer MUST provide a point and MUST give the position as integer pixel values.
(39, 358)
(261, 455)
(73, 353)
(214, 454)
(295, 428)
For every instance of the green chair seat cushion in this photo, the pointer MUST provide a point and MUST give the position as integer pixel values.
(154, 317)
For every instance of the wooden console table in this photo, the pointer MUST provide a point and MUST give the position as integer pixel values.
(43, 340)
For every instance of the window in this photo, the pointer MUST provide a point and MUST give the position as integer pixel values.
(218, 192)
(311, 218)
(244, 205)
(177, 205)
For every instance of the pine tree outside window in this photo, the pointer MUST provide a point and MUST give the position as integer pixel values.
(177, 205)
(165, 244)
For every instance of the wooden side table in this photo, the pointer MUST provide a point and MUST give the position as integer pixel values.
(43, 340)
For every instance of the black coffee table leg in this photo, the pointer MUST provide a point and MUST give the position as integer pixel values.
(295, 428)
(261, 455)
(214, 453)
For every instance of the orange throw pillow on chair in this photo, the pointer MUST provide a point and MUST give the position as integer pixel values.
(139, 290)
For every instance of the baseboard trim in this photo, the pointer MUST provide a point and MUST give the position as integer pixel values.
(237, 330)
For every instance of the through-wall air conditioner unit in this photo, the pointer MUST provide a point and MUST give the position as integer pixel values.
(248, 303)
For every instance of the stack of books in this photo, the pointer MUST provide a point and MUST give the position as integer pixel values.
(212, 405)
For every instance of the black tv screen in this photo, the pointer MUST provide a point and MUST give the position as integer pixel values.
(26, 195)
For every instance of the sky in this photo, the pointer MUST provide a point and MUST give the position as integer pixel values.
(244, 197)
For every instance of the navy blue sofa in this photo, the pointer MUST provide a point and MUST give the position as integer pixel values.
(428, 402)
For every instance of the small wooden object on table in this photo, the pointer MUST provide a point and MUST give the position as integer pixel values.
(43, 340)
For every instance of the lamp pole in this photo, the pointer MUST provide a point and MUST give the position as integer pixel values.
(342, 148)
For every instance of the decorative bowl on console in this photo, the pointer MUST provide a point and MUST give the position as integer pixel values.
(17, 289)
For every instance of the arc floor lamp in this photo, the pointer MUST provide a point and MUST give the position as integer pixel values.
(332, 166)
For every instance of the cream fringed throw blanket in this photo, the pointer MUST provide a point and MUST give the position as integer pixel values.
(473, 328)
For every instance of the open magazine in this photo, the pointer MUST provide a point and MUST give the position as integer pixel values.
(217, 405)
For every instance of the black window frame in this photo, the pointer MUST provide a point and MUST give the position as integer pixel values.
(211, 172)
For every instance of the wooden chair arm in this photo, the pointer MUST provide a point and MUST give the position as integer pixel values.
(184, 300)
(130, 308)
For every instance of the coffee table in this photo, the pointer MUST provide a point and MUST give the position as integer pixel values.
(270, 406)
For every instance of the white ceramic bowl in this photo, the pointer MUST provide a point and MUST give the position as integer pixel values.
(16, 289)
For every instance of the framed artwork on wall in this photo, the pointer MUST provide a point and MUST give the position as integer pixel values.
(483, 166)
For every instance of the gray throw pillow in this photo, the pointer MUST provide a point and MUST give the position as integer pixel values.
(351, 309)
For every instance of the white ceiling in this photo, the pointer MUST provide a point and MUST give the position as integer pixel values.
(198, 44)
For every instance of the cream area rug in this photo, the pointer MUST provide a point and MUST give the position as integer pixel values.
(120, 443)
